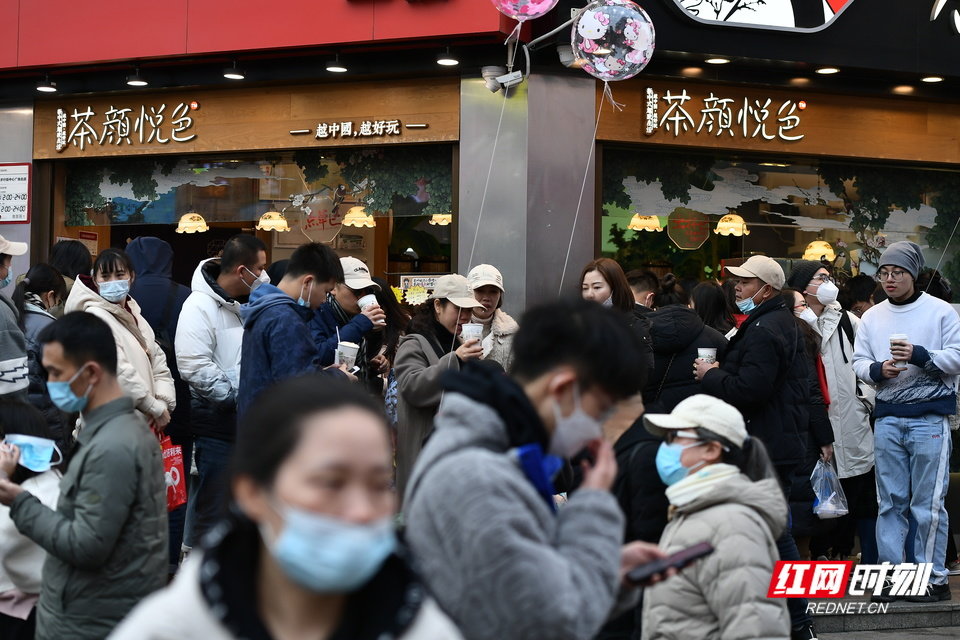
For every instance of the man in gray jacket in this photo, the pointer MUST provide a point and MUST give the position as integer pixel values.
(107, 540)
(14, 376)
(500, 558)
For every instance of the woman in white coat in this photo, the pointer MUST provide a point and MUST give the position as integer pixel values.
(141, 364)
(309, 549)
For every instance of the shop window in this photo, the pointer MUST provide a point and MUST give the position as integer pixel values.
(398, 190)
(790, 209)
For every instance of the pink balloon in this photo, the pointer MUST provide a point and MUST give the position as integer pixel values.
(614, 38)
(523, 10)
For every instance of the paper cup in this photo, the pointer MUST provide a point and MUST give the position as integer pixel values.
(471, 331)
(899, 337)
(347, 354)
(366, 301)
(707, 354)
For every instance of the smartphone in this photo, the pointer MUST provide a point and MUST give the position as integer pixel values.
(353, 370)
(677, 560)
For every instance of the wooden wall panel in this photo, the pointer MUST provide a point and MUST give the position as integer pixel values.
(255, 119)
(885, 128)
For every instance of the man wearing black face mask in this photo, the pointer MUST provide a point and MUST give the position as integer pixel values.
(106, 541)
(850, 406)
(765, 375)
(479, 505)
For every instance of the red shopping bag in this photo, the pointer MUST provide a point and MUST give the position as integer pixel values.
(173, 474)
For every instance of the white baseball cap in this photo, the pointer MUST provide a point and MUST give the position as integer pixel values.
(12, 248)
(356, 274)
(456, 289)
(767, 269)
(483, 275)
(700, 410)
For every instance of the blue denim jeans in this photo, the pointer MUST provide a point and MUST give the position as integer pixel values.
(912, 459)
(208, 493)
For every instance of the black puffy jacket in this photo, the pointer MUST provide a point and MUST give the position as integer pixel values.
(765, 375)
(677, 332)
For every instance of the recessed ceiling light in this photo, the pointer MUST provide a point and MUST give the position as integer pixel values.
(335, 66)
(903, 89)
(799, 82)
(691, 71)
(447, 59)
(932, 79)
(234, 72)
(717, 60)
(135, 79)
(827, 71)
(46, 85)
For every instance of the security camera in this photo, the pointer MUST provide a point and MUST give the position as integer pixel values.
(565, 51)
(490, 75)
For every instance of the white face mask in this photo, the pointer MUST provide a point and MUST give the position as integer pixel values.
(263, 278)
(827, 292)
(808, 315)
(608, 302)
(574, 431)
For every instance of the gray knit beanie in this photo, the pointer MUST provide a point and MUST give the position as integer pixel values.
(906, 255)
(802, 273)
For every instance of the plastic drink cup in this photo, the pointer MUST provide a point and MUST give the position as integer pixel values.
(471, 331)
(899, 337)
(347, 354)
(707, 354)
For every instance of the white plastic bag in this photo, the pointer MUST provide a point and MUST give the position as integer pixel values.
(830, 502)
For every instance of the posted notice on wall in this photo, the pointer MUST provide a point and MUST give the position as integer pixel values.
(14, 193)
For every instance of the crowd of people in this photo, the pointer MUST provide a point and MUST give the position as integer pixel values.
(363, 469)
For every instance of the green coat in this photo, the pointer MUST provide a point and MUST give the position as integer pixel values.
(107, 540)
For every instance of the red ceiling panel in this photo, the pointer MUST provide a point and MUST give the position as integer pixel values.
(236, 25)
(430, 18)
(67, 31)
(9, 11)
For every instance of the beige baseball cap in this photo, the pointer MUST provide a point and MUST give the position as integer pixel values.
(485, 274)
(456, 289)
(356, 274)
(700, 410)
(12, 248)
(767, 269)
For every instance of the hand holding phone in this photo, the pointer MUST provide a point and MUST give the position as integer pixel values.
(645, 572)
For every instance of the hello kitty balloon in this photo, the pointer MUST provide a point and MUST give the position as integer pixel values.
(614, 37)
(523, 10)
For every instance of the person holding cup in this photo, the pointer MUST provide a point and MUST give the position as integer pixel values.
(495, 326)
(347, 318)
(908, 347)
(431, 347)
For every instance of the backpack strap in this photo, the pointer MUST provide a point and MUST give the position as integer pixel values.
(847, 326)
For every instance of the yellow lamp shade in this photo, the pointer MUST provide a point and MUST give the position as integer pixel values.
(358, 217)
(732, 225)
(273, 221)
(441, 219)
(819, 250)
(192, 222)
(645, 223)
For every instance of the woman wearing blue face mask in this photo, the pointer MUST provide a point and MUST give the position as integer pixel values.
(722, 490)
(21, 559)
(141, 365)
(309, 548)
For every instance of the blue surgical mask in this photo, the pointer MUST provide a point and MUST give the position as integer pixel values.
(326, 554)
(114, 290)
(62, 395)
(35, 453)
(669, 466)
(305, 302)
(748, 305)
(5, 282)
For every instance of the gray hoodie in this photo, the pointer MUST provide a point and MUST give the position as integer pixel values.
(499, 561)
(14, 377)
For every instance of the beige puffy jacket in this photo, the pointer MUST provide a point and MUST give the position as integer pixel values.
(141, 364)
(723, 595)
(498, 339)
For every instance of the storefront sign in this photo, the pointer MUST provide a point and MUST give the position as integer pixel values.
(14, 193)
(785, 15)
(116, 126)
(89, 239)
(677, 113)
(687, 228)
(408, 281)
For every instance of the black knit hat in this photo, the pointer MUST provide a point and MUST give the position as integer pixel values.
(802, 273)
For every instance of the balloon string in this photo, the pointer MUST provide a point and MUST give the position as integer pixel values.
(514, 37)
(583, 186)
(486, 185)
(608, 96)
(945, 249)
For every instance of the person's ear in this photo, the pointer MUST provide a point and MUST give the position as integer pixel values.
(713, 452)
(564, 379)
(95, 372)
(250, 499)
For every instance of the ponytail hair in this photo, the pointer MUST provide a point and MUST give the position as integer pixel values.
(670, 292)
(752, 458)
(39, 279)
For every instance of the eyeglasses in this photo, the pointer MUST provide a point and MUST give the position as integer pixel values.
(895, 275)
(820, 279)
(802, 305)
